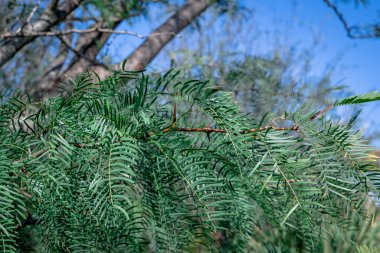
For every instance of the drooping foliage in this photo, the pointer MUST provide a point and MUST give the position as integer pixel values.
(128, 164)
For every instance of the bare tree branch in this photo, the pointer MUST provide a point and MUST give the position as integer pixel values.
(355, 32)
(79, 54)
(92, 40)
(57, 64)
(87, 48)
(146, 52)
(90, 30)
(51, 17)
(90, 45)
(33, 12)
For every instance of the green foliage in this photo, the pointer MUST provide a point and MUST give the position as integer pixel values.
(359, 99)
(365, 233)
(132, 165)
(108, 9)
(262, 84)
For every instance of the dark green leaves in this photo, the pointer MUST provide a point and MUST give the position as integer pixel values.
(130, 164)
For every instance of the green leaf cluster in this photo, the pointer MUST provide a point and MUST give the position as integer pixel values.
(129, 164)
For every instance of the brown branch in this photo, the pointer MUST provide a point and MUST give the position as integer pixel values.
(217, 130)
(206, 130)
(174, 115)
(27, 195)
(209, 130)
(89, 30)
(316, 115)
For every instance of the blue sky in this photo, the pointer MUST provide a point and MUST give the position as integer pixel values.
(302, 24)
(360, 57)
(359, 60)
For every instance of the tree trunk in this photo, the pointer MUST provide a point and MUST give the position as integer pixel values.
(159, 38)
(146, 52)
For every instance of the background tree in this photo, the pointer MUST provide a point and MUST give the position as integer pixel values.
(69, 36)
(76, 54)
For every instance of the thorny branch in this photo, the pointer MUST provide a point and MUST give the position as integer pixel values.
(209, 130)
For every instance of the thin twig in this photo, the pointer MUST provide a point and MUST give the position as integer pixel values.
(316, 115)
(217, 130)
(79, 54)
(90, 30)
(209, 130)
(340, 17)
(33, 12)
(26, 194)
(350, 29)
(174, 115)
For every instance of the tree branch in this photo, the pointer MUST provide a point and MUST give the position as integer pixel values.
(90, 30)
(88, 45)
(206, 130)
(79, 54)
(57, 64)
(316, 115)
(354, 32)
(209, 130)
(146, 52)
(9, 47)
(33, 12)
(92, 39)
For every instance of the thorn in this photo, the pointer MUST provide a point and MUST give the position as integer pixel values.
(174, 115)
